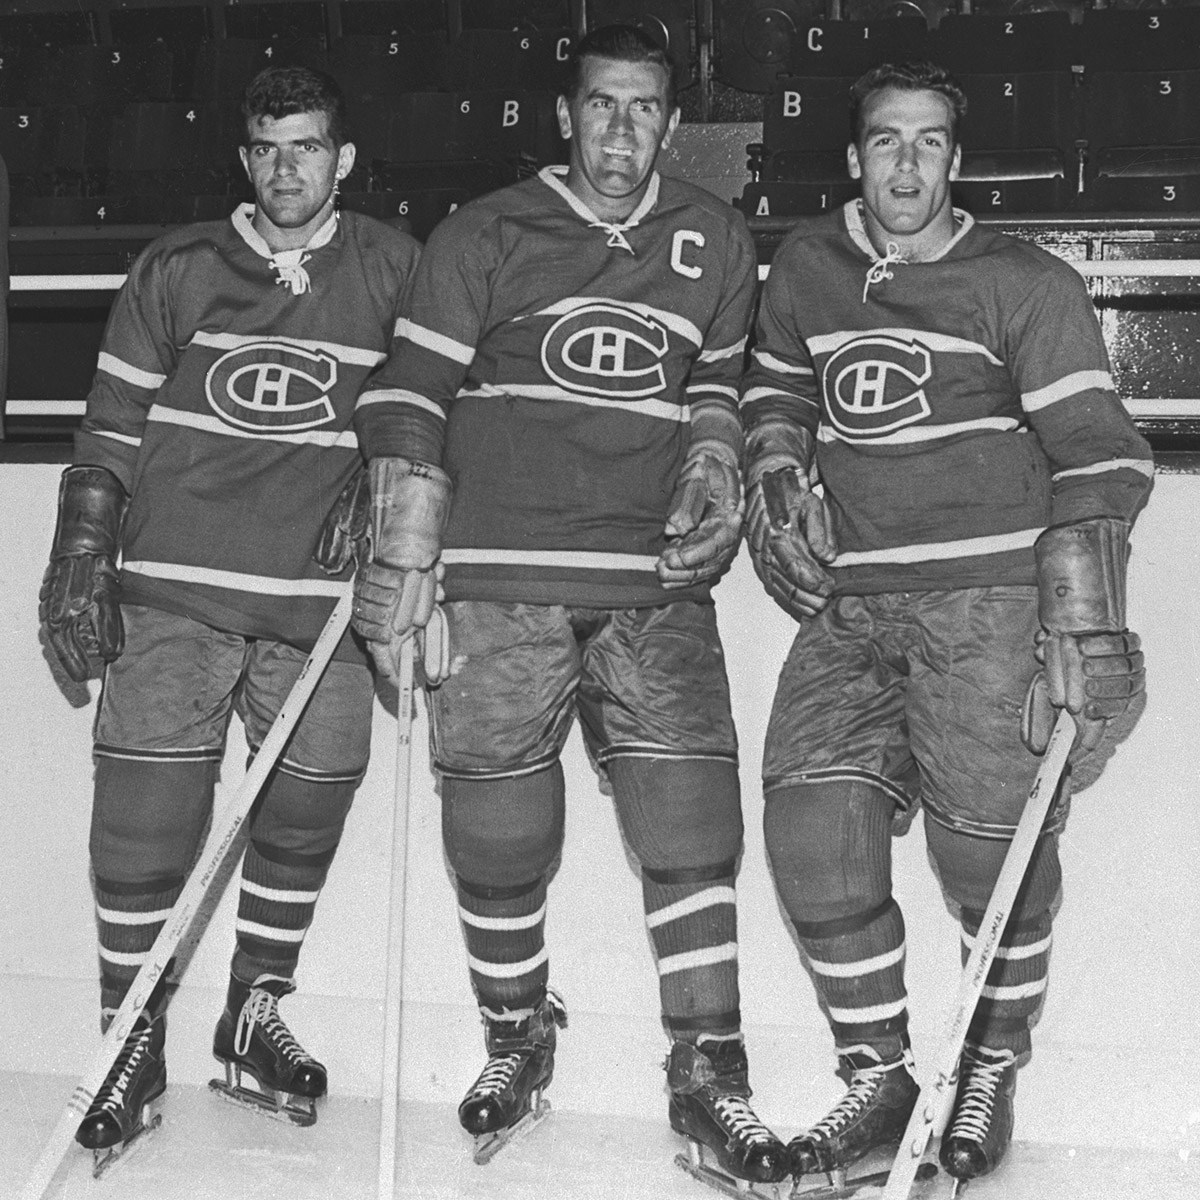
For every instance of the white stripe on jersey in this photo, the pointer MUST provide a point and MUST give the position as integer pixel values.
(588, 560)
(112, 365)
(1065, 388)
(347, 439)
(235, 581)
(827, 343)
(439, 343)
(708, 898)
(400, 396)
(356, 356)
(777, 364)
(863, 966)
(279, 895)
(1144, 465)
(920, 433)
(673, 321)
(996, 543)
(659, 409)
(504, 924)
(720, 355)
(689, 960)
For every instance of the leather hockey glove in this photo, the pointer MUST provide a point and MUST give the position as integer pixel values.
(789, 527)
(395, 594)
(79, 602)
(1092, 665)
(705, 518)
(345, 534)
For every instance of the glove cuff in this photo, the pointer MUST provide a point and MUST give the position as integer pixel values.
(1081, 576)
(410, 504)
(775, 445)
(91, 506)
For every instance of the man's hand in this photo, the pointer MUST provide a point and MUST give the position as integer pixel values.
(704, 524)
(791, 541)
(79, 602)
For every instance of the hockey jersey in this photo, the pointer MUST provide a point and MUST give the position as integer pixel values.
(959, 405)
(558, 360)
(223, 400)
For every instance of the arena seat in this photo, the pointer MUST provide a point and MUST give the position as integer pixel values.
(754, 40)
(428, 126)
(1163, 179)
(1159, 39)
(223, 66)
(983, 44)
(43, 147)
(850, 48)
(284, 20)
(794, 199)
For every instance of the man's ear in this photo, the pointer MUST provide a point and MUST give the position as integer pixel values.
(346, 155)
(955, 163)
(672, 125)
(852, 163)
(563, 110)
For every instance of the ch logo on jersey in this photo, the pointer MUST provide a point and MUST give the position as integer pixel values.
(267, 387)
(874, 385)
(606, 349)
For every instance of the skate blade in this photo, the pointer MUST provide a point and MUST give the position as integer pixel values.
(279, 1106)
(840, 1184)
(744, 1189)
(104, 1160)
(488, 1145)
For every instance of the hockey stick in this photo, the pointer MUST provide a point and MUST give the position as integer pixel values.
(390, 1075)
(944, 1073)
(221, 837)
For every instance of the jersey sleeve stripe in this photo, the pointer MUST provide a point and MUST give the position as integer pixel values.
(355, 356)
(1143, 465)
(439, 343)
(124, 438)
(346, 439)
(754, 394)
(236, 581)
(1066, 387)
(771, 363)
(723, 353)
(598, 560)
(112, 365)
(712, 389)
(940, 342)
(400, 396)
(996, 543)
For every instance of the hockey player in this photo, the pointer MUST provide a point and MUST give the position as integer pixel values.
(557, 425)
(217, 437)
(950, 389)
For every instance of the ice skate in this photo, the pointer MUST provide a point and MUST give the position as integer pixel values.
(252, 1041)
(861, 1131)
(124, 1110)
(709, 1106)
(506, 1101)
(981, 1122)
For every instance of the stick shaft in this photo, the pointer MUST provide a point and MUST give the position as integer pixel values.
(220, 840)
(987, 942)
(390, 1067)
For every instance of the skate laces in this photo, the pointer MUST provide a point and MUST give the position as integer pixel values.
(498, 1074)
(261, 1008)
(864, 1085)
(740, 1119)
(129, 1061)
(977, 1092)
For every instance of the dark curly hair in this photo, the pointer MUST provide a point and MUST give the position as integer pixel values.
(278, 92)
(908, 77)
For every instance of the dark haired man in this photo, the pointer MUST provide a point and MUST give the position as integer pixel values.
(557, 426)
(950, 389)
(218, 435)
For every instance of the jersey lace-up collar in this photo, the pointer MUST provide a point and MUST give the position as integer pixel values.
(880, 268)
(289, 263)
(554, 177)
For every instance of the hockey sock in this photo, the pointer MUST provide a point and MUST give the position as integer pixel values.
(692, 918)
(129, 917)
(294, 839)
(682, 819)
(504, 929)
(1016, 982)
(830, 850)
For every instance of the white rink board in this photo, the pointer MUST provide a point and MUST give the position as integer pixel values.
(1116, 1051)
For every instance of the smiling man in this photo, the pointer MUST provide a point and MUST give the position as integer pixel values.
(558, 421)
(217, 437)
(950, 389)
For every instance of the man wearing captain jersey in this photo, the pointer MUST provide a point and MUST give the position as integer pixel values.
(557, 428)
(218, 435)
(957, 577)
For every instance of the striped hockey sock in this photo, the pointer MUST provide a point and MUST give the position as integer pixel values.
(129, 917)
(692, 919)
(504, 930)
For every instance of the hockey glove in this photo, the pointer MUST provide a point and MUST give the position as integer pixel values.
(1092, 665)
(396, 592)
(345, 534)
(704, 524)
(79, 603)
(790, 529)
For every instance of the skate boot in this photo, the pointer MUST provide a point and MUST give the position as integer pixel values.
(981, 1121)
(872, 1115)
(709, 1093)
(124, 1110)
(506, 1100)
(252, 1039)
